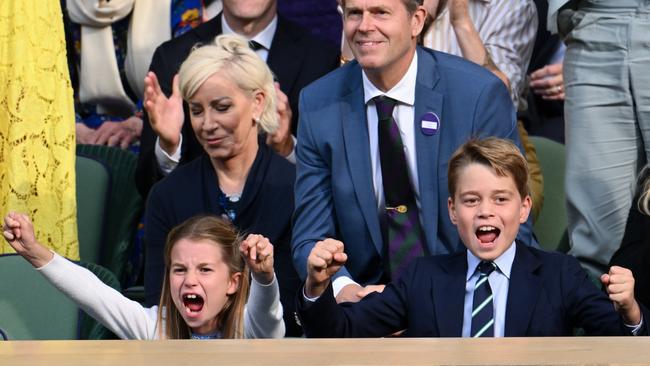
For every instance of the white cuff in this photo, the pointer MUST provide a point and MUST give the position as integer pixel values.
(264, 284)
(292, 156)
(166, 162)
(307, 298)
(634, 329)
(51, 260)
(340, 282)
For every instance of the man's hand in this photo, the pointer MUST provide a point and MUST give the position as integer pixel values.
(83, 133)
(118, 133)
(619, 283)
(19, 233)
(165, 114)
(354, 292)
(548, 82)
(459, 13)
(281, 140)
(325, 259)
(258, 253)
(469, 41)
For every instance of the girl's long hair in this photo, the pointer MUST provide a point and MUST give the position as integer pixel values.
(223, 234)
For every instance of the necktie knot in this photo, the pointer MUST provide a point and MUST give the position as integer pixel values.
(385, 106)
(485, 267)
(254, 45)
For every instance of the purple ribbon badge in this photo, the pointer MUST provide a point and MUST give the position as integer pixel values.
(430, 123)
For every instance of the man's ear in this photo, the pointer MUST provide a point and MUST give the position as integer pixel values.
(417, 21)
(451, 207)
(233, 284)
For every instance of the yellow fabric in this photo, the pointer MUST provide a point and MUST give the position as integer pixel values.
(37, 143)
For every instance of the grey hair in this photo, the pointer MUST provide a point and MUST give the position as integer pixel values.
(231, 55)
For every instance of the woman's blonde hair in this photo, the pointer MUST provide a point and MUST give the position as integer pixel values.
(644, 185)
(226, 237)
(231, 55)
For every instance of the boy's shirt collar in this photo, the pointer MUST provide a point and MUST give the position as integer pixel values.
(503, 262)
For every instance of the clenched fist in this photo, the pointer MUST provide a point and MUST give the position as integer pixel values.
(325, 259)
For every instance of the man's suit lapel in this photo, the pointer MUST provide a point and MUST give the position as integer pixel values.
(285, 56)
(523, 292)
(428, 99)
(449, 295)
(357, 149)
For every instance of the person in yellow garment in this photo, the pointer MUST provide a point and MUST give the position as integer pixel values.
(37, 143)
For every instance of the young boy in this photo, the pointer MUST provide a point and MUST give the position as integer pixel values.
(497, 287)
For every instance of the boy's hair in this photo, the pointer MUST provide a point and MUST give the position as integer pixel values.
(501, 155)
(223, 235)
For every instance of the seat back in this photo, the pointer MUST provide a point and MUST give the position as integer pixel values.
(30, 307)
(124, 208)
(93, 182)
(550, 227)
(89, 328)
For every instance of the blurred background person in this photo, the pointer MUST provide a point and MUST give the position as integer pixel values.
(545, 92)
(607, 93)
(110, 45)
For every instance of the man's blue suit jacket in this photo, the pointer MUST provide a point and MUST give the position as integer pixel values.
(549, 295)
(334, 191)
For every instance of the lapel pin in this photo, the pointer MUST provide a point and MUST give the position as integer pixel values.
(430, 123)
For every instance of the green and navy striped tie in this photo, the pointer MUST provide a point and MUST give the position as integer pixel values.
(401, 231)
(482, 306)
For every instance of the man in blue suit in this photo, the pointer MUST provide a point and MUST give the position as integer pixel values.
(341, 191)
(494, 288)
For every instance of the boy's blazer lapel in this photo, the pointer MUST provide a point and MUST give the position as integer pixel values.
(525, 287)
(449, 295)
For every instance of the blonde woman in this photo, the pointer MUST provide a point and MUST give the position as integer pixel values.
(232, 100)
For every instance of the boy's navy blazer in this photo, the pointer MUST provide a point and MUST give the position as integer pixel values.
(549, 295)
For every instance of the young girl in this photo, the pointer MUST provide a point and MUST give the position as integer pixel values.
(205, 289)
